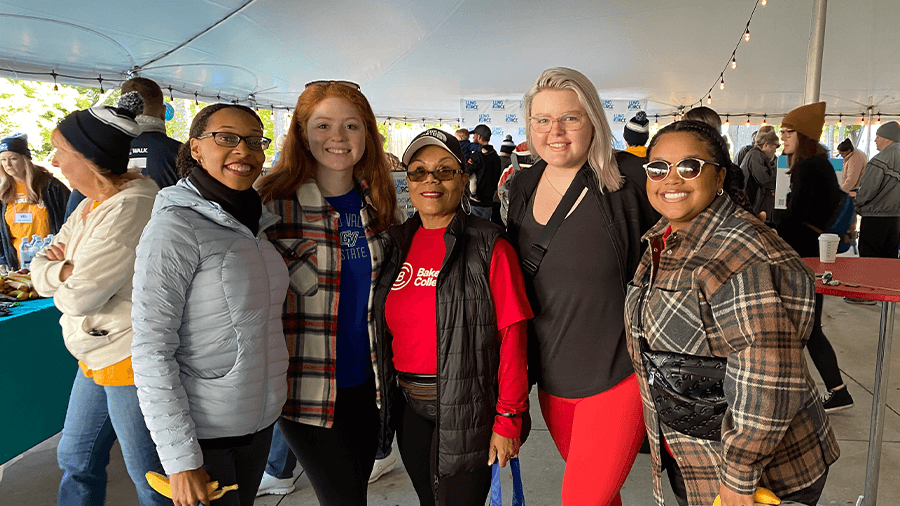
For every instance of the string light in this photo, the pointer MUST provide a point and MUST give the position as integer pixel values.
(748, 120)
(747, 34)
(722, 84)
(862, 119)
(878, 123)
(708, 99)
(733, 63)
(100, 80)
(656, 123)
(171, 98)
(763, 2)
(764, 123)
(727, 120)
(840, 122)
(55, 86)
(195, 99)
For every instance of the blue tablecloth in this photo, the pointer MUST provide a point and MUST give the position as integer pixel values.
(36, 375)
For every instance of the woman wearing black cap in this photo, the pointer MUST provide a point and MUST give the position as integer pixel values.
(88, 270)
(32, 201)
(452, 315)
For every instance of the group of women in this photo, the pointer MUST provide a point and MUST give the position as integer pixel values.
(178, 309)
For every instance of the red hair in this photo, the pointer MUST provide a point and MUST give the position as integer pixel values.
(296, 164)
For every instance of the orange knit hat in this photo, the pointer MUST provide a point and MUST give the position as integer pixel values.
(807, 119)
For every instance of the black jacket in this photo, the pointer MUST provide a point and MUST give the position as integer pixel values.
(815, 198)
(468, 345)
(54, 196)
(627, 211)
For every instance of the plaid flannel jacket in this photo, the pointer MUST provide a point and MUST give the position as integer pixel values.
(728, 286)
(308, 239)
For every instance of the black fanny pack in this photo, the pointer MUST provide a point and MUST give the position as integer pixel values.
(420, 391)
(687, 390)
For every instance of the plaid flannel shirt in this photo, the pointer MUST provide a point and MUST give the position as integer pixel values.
(728, 286)
(308, 239)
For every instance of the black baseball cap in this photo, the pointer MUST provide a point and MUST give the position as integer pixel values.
(483, 130)
(433, 137)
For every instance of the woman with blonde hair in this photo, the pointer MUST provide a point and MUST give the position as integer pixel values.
(332, 189)
(32, 201)
(576, 218)
(88, 270)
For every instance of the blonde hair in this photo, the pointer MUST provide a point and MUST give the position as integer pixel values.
(108, 181)
(601, 155)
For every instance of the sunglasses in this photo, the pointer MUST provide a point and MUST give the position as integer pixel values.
(420, 175)
(349, 84)
(230, 140)
(688, 169)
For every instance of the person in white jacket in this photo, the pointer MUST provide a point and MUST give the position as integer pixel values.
(88, 270)
(210, 360)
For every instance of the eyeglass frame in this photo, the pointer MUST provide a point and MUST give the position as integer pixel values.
(558, 122)
(240, 138)
(432, 173)
(676, 165)
(326, 82)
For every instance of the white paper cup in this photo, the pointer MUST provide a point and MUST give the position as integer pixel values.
(828, 245)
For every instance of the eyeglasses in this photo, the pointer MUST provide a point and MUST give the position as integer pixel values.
(230, 140)
(568, 122)
(786, 132)
(349, 84)
(420, 175)
(688, 169)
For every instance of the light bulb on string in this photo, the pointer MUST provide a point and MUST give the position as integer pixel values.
(878, 122)
(171, 98)
(100, 80)
(764, 123)
(733, 63)
(708, 99)
(763, 2)
(840, 122)
(195, 99)
(55, 86)
(722, 84)
(747, 34)
(727, 120)
(656, 123)
(748, 120)
(862, 119)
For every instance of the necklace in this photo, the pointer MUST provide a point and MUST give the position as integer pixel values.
(547, 178)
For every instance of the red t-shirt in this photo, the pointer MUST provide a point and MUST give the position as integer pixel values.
(411, 319)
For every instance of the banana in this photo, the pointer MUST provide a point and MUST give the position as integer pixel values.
(762, 496)
(161, 484)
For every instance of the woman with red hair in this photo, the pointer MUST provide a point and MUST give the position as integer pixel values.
(332, 188)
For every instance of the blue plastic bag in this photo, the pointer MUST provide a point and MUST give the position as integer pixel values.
(518, 498)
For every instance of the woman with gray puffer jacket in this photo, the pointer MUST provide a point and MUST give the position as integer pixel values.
(209, 354)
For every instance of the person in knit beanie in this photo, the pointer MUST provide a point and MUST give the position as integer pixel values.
(508, 146)
(878, 198)
(814, 199)
(636, 133)
(88, 269)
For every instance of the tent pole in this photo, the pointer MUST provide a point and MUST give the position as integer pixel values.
(814, 53)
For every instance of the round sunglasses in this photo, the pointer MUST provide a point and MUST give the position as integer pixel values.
(688, 169)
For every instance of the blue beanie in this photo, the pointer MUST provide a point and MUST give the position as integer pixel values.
(17, 143)
(102, 134)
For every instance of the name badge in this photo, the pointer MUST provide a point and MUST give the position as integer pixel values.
(23, 218)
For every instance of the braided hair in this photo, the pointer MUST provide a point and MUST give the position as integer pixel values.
(717, 146)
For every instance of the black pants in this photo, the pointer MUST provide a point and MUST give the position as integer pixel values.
(417, 439)
(242, 463)
(339, 460)
(879, 237)
(809, 495)
(821, 352)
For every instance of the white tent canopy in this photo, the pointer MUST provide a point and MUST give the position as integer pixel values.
(420, 58)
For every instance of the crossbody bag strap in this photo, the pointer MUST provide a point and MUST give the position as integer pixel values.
(535, 255)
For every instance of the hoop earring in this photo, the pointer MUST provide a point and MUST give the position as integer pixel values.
(720, 192)
(466, 204)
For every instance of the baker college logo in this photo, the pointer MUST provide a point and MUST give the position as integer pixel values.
(424, 277)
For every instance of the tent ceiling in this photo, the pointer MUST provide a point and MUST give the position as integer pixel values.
(419, 58)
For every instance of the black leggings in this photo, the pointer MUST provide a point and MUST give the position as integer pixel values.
(417, 440)
(821, 352)
(338, 461)
(241, 462)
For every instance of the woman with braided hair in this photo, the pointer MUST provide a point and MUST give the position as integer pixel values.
(717, 282)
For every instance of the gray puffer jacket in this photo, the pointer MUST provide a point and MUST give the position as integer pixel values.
(879, 186)
(209, 355)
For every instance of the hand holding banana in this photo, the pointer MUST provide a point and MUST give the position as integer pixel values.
(162, 485)
(762, 496)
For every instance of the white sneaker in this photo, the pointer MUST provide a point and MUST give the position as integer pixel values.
(382, 467)
(271, 485)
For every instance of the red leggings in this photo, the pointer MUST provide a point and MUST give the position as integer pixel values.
(599, 438)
